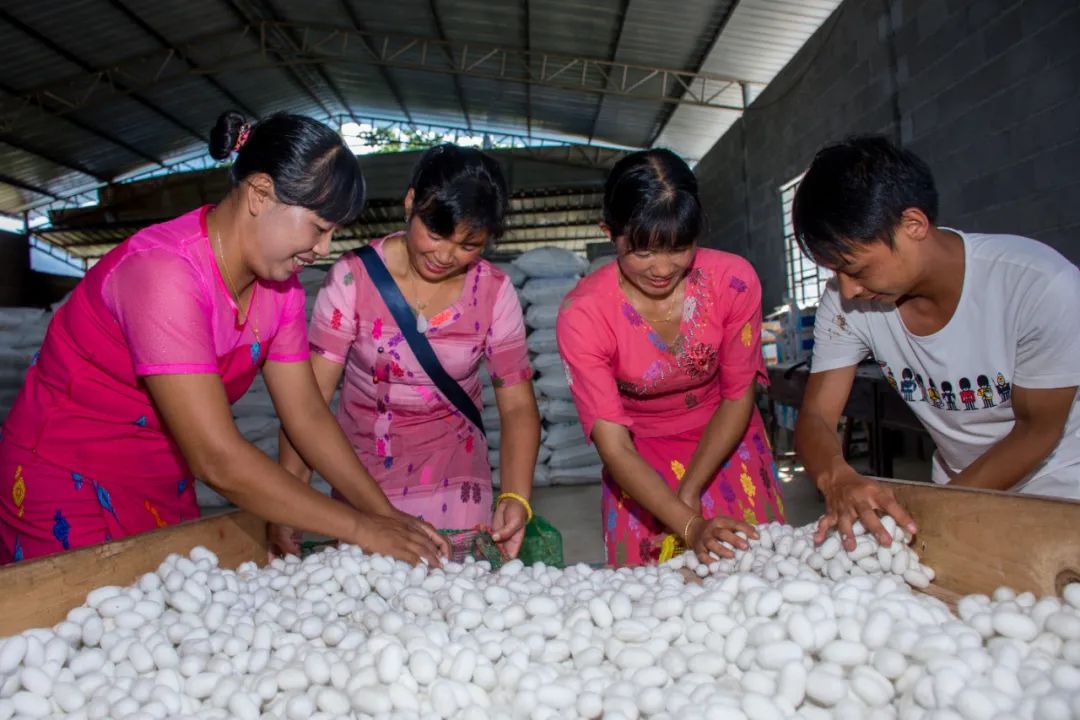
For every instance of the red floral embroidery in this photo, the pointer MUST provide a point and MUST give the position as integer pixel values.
(649, 551)
(469, 444)
(697, 360)
(335, 319)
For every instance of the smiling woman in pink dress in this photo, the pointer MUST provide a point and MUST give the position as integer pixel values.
(663, 352)
(129, 399)
(429, 459)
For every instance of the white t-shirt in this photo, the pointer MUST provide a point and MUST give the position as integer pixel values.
(1018, 322)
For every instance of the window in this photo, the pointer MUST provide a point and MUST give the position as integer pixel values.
(805, 280)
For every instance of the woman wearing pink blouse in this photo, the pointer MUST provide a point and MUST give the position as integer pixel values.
(429, 459)
(129, 399)
(663, 351)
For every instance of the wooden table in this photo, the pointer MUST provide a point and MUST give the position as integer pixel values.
(872, 400)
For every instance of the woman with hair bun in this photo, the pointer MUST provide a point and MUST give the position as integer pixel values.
(663, 352)
(411, 393)
(129, 400)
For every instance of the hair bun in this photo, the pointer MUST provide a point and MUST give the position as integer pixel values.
(225, 133)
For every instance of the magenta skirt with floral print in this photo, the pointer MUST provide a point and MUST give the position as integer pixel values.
(745, 488)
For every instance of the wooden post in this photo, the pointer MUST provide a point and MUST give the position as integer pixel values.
(39, 593)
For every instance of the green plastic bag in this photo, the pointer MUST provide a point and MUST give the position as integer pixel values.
(542, 543)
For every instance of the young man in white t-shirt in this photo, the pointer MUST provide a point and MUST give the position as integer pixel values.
(979, 334)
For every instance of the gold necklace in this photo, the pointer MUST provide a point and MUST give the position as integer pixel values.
(236, 296)
(418, 306)
(670, 309)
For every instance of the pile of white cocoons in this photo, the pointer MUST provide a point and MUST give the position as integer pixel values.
(784, 630)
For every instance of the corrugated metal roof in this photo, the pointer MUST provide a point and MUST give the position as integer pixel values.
(82, 137)
(654, 35)
(758, 41)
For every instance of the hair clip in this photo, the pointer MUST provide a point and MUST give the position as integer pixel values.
(241, 138)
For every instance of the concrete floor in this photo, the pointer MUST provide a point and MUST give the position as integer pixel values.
(575, 511)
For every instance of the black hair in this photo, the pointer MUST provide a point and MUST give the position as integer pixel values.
(455, 186)
(855, 193)
(310, 164)
(651, 199)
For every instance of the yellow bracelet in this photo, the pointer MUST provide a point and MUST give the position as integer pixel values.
(518, 498)
(686, 528)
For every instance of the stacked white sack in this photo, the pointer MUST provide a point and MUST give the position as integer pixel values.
(551, 273)
(21, 332)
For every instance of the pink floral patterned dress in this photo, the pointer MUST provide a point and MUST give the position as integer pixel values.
(429, 459)
(621, 370)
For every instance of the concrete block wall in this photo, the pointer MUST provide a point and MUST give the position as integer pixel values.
(986, 91)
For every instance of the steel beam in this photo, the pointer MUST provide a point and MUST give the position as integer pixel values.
(72, 58)
(459, 91)
(149, 30)
(275, 40)
(344, 47)
(667, 111)
(384, 73)
(614, 54)
(16, 183)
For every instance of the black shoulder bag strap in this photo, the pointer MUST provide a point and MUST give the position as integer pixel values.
(406, 321)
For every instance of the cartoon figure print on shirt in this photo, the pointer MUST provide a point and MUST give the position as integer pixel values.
(948, 395)
(1004, 387)
(887, 372)
(934, 396)
(907, 384)
(946, 398)
(967, 395)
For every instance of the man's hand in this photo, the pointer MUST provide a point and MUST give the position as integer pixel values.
(709, 536)
(850, 496)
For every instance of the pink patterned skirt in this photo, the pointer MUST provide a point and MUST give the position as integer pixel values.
(745, 488)
(46, 509)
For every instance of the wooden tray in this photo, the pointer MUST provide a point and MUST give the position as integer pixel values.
(976, 541)
(39, 593)
(979, 540)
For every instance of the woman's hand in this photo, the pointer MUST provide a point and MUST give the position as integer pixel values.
(709, 536)
(282, 540)
(441, 541)
(401, 536)
(509, 526)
